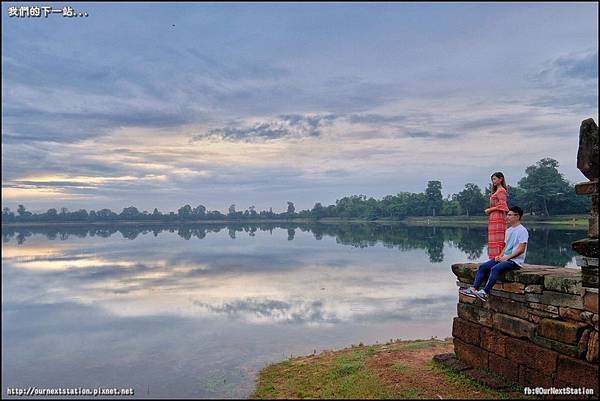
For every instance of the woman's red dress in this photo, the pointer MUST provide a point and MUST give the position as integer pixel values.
(497, 222)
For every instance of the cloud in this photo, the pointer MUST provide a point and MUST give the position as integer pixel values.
(294, 126)
(580, 66)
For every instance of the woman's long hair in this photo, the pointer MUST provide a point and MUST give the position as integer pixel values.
(498, 174)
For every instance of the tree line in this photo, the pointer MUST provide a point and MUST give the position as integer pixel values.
(543, 191)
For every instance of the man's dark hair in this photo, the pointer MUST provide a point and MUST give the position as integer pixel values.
(517, 210)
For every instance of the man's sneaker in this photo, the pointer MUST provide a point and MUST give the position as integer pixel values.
(469, 292)
(481, 295)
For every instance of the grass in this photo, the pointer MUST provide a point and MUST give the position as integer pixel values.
(393, 370)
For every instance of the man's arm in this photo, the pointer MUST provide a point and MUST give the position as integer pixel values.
(520, 249)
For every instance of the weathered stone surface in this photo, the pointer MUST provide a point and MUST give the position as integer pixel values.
(592, 347)
(493, 341)
(514, 287)
(513, 326)
(561, 348)
(566, 332)
(585, 261)
(509, 307)
(450, 360)
(474, 314)
(533, 378)
(465, 271)
(466, 331)
(589, 276)
(590, 301)
(586, 188)
(543, 307)
(577, 373)
(574, 314)
(508, 295)
(531, 355)
(534, 289)
(586, 247)
(562, 299)
(471, 354)
(541, 313)
(491, 380)
(505, 367)
(469, 300)
(587, 152)
(570, 285)
(583, 344)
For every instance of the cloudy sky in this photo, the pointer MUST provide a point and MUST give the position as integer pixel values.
(159, 105)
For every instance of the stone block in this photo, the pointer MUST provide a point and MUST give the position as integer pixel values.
(577, 373)
(474, 356)
(565, 332)
(514, 287)
(533, 378)
(584, 261)
(569, 285)
(543, 307)
(573, 314)
(462, 284)
(466, 331)
(468, 300)
(534, 289)
(561, 348)
(589, 276)
(562, 299)
(513, 326)
(509, 307)
(509, 295)
(586, 188)
(590, 301)
(505, 367)
(592, 347)
(465, 271)
(586, 247)
(474, 314)
(493, 341)
(531, 355)
(583, 344)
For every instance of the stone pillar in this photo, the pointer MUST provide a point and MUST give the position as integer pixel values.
(588, 164)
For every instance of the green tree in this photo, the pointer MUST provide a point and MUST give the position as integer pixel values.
(184, 212)
(471, 199)
(542, 186)
(434, 196)
(290, 209)
(130, 212)
(22, 211)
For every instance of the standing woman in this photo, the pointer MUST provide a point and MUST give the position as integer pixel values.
(497, 215)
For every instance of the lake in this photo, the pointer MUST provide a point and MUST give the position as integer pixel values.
(196, 311)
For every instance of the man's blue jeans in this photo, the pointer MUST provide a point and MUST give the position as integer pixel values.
(494, 270)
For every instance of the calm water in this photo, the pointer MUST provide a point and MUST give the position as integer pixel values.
(197, 311)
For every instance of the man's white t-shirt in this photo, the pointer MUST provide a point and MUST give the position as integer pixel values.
(515, 236)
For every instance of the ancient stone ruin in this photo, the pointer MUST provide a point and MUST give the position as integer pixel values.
(539, 327)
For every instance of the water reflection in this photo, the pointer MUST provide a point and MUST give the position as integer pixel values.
(195, 311)
(549, 246)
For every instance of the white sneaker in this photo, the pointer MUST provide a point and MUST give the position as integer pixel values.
(469, 292)
(481, 295)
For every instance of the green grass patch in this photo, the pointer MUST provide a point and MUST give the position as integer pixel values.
(401, 367)
(323, 376)
(463, 380)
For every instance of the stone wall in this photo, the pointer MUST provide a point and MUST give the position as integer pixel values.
(539, 327)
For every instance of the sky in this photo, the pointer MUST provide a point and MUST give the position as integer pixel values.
(167, 104)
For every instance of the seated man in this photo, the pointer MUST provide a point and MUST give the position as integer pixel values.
(511, 257)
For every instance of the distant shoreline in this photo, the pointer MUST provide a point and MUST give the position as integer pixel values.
(576, 221)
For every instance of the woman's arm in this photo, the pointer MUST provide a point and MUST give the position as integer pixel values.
(502, 205)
